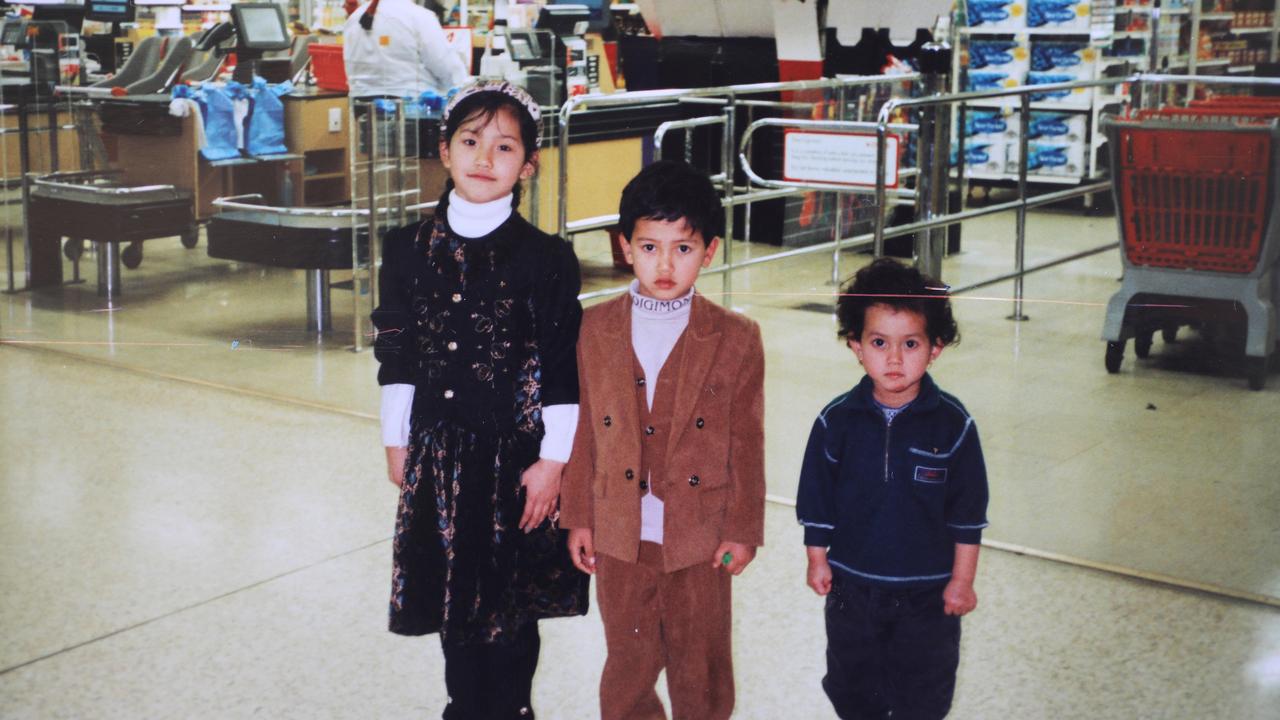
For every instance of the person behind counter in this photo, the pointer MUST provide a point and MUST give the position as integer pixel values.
(397, 48)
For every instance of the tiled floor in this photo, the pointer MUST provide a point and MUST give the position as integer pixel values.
(195, 521)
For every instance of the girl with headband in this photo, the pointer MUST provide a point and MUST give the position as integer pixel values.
(477, 326)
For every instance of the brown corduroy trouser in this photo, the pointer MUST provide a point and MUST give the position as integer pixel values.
(681, 621)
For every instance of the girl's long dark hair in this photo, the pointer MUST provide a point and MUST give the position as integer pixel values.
(485, 106)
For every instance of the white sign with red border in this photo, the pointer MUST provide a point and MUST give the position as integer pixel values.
(837, 158)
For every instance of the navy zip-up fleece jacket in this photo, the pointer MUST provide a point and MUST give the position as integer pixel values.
(891, 499)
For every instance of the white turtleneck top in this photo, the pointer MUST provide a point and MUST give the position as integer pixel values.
(656, 326)
(473, 220)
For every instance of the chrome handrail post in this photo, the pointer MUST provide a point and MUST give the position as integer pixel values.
(1020, 240)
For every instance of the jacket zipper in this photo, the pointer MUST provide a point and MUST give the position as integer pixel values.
(888, 428)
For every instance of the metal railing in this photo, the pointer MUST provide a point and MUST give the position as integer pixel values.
(728, 98)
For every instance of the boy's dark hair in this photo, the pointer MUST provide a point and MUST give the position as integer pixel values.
(670, 190)
(901, 287)
(485, 106)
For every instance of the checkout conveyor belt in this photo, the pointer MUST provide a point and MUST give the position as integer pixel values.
(317, 240)
(91, 206)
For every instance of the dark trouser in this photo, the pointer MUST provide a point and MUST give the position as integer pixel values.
(890, 653)
(681, 621)
(491, 681)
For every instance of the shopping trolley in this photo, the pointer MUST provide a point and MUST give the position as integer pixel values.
(1194, 188)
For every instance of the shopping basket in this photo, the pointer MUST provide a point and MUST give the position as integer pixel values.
(326, 65)
(1194, 188)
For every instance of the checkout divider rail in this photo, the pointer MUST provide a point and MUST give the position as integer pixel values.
(882, 128)
(730, 98)
(883, 196)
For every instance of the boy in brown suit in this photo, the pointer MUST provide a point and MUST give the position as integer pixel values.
(664, 490)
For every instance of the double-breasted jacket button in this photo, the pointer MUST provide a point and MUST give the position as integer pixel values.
(608, 421)
(457, 297)
(649, 430)
(630, 473)
(694, 480)
(644, 484)
(639, 382)
(452, 346)
(699, 423)
(448, 394)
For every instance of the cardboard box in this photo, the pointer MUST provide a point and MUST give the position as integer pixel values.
(1064, 15)
(997, 14)
(1061, 57)
(1074, 97)
(1057, 159)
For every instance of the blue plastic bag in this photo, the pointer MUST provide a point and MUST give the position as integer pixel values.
(218, 111)
(265, 132)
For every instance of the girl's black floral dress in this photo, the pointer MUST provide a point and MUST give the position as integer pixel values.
(485, 329)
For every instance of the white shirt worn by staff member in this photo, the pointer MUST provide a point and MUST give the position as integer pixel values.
(402, 55)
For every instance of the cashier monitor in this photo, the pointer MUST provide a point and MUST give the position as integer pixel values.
(259, 28)
(564, 20)
(111, 11)
(14, 32)
(525, 48)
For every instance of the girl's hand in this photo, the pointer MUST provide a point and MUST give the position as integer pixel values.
(959, 598)
(396, 458)
(541, 483)
(819, 575)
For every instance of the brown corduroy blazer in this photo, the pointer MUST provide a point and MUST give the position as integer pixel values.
(715, 455)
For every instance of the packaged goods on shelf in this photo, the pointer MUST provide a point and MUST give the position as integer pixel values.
(1073, 58)
(1056, 127)
(983, 123)
(999, 54)
(997, 14)
(1058, 14)
(986, 133)
(1126, 48)
(985, 156)
(984, 81)
(1048, 158)
(1072, 97)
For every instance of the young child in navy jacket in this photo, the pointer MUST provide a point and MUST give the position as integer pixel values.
(893, 498)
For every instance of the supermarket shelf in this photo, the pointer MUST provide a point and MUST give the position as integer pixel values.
(1137, 60)
(1131, 34)
(1217, 17)
(1060, 106)
(1023, 31)
(1175, 11)
(1182, 62)
(1251, 30)
(1031, 177)
(1133, 9)
(1242, 69)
